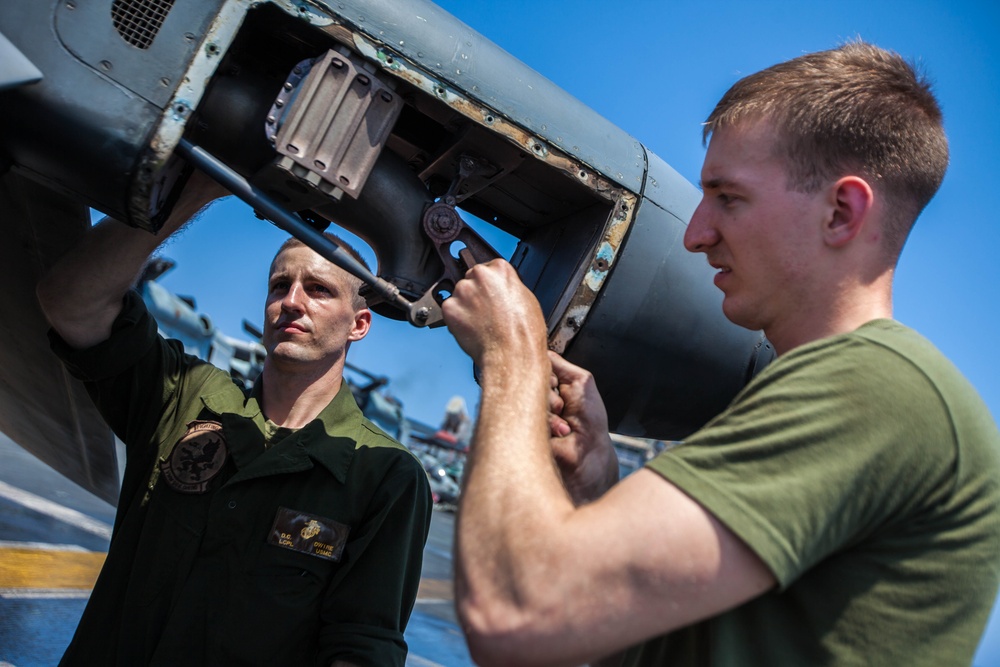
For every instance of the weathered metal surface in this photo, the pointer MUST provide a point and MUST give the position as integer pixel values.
(334, 124)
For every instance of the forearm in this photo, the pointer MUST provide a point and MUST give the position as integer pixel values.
(512, 501)
(81, 294)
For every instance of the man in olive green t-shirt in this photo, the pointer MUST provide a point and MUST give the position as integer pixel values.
(842, 511)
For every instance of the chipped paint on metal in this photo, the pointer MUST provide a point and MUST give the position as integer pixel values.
(624, 201)
(187, 95)
(219, 35)
(594, 278)
(498, 124)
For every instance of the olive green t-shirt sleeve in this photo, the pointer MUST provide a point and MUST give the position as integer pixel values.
(818, 452)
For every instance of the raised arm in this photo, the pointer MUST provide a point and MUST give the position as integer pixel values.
(541, 578)
(81, 295)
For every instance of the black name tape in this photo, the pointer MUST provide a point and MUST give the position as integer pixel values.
(310, 534)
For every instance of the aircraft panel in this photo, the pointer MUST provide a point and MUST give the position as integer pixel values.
(42, 408)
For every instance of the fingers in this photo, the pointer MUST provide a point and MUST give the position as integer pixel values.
(491, 312)
(558, 427)
(565, 372)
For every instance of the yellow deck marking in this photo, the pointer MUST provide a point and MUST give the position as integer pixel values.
(47, 569)
(43, 568)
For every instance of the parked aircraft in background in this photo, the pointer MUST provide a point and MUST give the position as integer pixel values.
(177, 317)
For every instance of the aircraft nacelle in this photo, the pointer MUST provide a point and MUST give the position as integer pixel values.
(383, 117)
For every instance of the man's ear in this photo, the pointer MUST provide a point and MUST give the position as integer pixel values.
(362, 323)
(851, 200)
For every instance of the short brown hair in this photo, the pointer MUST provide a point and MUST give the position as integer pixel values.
(353, 281)
(856, 108)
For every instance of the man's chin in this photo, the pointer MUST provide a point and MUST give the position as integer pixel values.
(288, 353)
(738, 316)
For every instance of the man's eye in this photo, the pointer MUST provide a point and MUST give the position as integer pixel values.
(726, 199)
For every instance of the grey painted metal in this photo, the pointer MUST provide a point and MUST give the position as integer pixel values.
(76, 129)
(664, 356)
(86, 30)
(453, 52)
(15, 68)
(42, 407)
(669, 190)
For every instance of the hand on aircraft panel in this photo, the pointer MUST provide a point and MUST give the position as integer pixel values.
(580, 441)
(199, 191)
(494, 317)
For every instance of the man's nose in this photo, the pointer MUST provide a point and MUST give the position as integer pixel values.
(293, 298)
(700, 234)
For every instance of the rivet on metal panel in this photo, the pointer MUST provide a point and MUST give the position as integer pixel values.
(70, 5)
(164, 82)
(212, 49)
(106, 65)
(292, 148)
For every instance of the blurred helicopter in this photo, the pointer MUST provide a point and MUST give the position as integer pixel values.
(176, 317)
(388, 118)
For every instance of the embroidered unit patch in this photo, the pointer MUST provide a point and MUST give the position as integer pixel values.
(196, 458)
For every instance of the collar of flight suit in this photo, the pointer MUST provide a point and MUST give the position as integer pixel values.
(329, 440)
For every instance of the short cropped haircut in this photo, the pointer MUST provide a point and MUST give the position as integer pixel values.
(355, 283)
(854, 109)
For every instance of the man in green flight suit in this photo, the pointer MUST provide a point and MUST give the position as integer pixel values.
(275, 527)
(843, 510)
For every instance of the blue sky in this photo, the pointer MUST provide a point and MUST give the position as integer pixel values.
(656, 69)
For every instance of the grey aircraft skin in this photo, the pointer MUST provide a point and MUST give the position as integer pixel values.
(382, 117)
